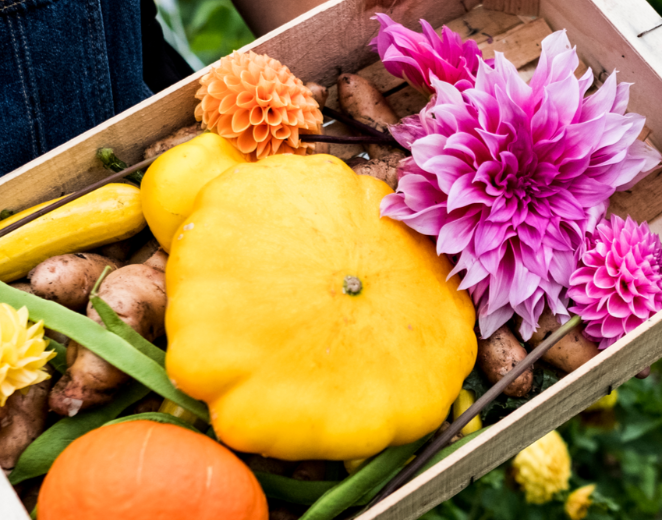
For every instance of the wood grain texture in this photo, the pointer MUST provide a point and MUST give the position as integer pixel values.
(605, 33)
(521, 44)
(564, 400)
(522, 7)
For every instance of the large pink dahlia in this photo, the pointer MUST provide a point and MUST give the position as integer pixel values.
(618, 283)
(511, 177)
(413, 56)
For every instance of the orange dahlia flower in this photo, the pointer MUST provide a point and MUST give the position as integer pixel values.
(257, 104)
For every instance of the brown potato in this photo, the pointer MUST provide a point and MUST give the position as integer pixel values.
(385, 169)
(68, 279)
(360, 99)
(571, 352)
(498, 355)
(22, 420)
(137, 294)
(180, 136)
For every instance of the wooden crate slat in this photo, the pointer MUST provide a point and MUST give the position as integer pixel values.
(574, 393)
(522, 7)
(605, 32)
(11, 507)
(521, 45)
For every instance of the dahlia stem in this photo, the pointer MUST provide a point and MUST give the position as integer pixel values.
(439, 441)
(359, 139)
(76, 195)
(350, 121)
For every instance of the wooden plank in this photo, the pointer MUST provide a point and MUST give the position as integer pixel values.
(521, 45)
(522, 7)
(317, 46)
(564, 400)
(605, 33)
(11, 507)
(643, 202)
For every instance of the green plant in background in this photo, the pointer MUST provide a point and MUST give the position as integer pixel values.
(619, 450)
(203, 31)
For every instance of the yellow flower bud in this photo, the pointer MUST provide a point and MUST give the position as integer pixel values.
(579, 501)
(606, 402)
(461, 405)
(22, 351)
(543, 469)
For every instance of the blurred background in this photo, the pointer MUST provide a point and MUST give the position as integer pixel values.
(619, 448)
(202, 31)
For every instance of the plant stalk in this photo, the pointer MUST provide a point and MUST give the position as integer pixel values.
(439, 441)
(359, 139)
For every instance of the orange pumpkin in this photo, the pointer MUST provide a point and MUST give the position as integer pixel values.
(147, 470)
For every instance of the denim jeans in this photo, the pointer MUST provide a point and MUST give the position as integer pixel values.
(65, 67)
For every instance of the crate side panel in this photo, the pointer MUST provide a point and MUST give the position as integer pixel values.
(524, 426)
(11, 507)
(317, 46)
(605, 33)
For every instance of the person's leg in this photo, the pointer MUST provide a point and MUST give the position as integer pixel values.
(66, 66)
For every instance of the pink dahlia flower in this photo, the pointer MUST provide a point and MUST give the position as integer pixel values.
(618, 283)
(511, 177)
(413, 56)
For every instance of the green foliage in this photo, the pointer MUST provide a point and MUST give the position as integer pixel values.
(206, 29)
(620, 451)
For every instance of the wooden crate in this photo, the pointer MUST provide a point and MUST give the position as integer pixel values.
(333, 38)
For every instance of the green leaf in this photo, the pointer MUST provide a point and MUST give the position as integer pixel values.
(159, 417)
(291, 490)
(103, 343)
(369, 478)
(59, 362)
(634, 430)
(114, 324)
(38, 457)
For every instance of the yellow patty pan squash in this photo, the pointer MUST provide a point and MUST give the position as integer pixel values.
(172, 182)
(312, 328)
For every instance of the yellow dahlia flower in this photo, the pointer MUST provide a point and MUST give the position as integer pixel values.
(606, 402)
(579, 501)
(257, 104)
(543, 469)
(22, 351)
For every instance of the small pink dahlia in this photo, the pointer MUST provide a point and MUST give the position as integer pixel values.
(511, 177)
(618, 283)
(413, 56)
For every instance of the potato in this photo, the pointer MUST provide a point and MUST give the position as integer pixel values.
(385, 169)
(68, 279)
(137, 294)
(571, 352)
(360, 99)
(180, 136)
(22, 420)
(498, 355)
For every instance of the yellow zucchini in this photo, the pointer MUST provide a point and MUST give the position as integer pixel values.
(106, 215)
